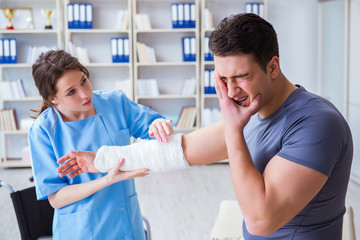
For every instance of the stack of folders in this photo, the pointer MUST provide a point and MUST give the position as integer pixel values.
(120, 50)
(188, 87)
(12, 90)
(183, 15)
(187, 118)
(208, 19)
(209, 81)
(8, 120)
(210, 116)
(148, 87)
(145, 53)
(207, 53)
(142, 22)
(255, 7)
(122, 21)
(80, 16)
(189, 49)
(125, 86)
(35, 51)
(8, 50)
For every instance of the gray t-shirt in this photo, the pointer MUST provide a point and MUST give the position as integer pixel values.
(310, 131)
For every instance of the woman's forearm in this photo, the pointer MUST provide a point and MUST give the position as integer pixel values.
(206, 145)
(74, 193)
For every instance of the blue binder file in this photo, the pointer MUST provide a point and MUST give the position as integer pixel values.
(6, 44)
(174, 15)
(207, 81)
(76, 23)
(180, 8)
(186, 49)
(192, 49)
(70, 13)
(186, 7)
(1, 51)
(13, 54)
(126, 49)
(192, 15)
(114, 52)
(82, 8)
(120, 49)
(89, 16)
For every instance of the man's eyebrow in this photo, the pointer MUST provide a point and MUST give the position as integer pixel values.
(240, 75)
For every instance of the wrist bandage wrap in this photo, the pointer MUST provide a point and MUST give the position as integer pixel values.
(151, 154)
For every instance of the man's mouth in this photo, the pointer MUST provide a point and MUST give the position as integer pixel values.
(241, 101)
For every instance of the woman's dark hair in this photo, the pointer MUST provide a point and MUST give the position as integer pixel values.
(245, 34)
(47, 70)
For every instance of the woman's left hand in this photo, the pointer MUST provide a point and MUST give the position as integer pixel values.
(161, 128)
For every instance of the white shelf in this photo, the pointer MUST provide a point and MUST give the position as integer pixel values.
(168, 96)
(167, 30)
(11, 163)
(16, 65)
(27, 99)
(96, 31)
(107, 64)
(30, 31)
(162, 64)
(18, 132)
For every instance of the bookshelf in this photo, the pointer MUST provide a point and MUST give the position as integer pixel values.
(209, 101)
(27, 37)
(107, 19)
(169, 70)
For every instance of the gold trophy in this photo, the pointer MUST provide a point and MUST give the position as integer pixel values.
(9, 14)
(47, 14)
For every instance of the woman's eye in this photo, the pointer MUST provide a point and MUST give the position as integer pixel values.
(70, 93)
(84, 81)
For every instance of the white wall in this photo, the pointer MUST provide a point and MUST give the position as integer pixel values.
(296, 25)
(354, 76)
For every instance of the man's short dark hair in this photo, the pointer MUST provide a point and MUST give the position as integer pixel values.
(245, 33)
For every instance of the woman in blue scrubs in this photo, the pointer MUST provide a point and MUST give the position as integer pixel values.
(73, 117)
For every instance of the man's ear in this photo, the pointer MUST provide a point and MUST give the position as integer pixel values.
(274, 67)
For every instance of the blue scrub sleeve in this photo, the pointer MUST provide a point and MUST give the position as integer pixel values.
(315, 141)
(138, 117)
(44, 164)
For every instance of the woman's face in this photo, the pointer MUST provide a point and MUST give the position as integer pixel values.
(73, 96)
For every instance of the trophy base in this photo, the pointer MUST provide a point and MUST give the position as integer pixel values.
(9, 28)
(48, 27)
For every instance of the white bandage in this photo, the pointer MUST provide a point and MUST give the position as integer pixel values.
(156, 156)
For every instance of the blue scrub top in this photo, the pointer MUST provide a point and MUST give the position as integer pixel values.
(113, 212)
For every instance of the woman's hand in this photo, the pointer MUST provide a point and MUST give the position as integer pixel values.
(79, 162)
(116, 175)
(161, 128)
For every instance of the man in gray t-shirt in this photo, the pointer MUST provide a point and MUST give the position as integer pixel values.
(290, 151)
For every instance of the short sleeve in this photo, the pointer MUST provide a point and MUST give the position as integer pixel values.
(44, 164)
(315, 141)
(138, 117)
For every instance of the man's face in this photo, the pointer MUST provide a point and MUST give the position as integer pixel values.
(243, 77)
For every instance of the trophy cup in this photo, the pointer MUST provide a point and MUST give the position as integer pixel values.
(9, 14)
(47, 14)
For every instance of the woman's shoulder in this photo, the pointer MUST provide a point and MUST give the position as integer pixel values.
(45, 120)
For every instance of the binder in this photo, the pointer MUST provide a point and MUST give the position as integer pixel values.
(114, 52)
(126, 50)
(76, 24)
(120, 49)
(186, 7)
(255, 8)
(82, 8)
(89, 16)
(186, 49)
(248, 7)
(212, 82)
(207, 81)
(70, 11)
(174, 15)
(261, 10)
(6, 44)
(192, 15)
(193, 49)
(207, 54)
(13, 54)
(1, 51)
(180, 7)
